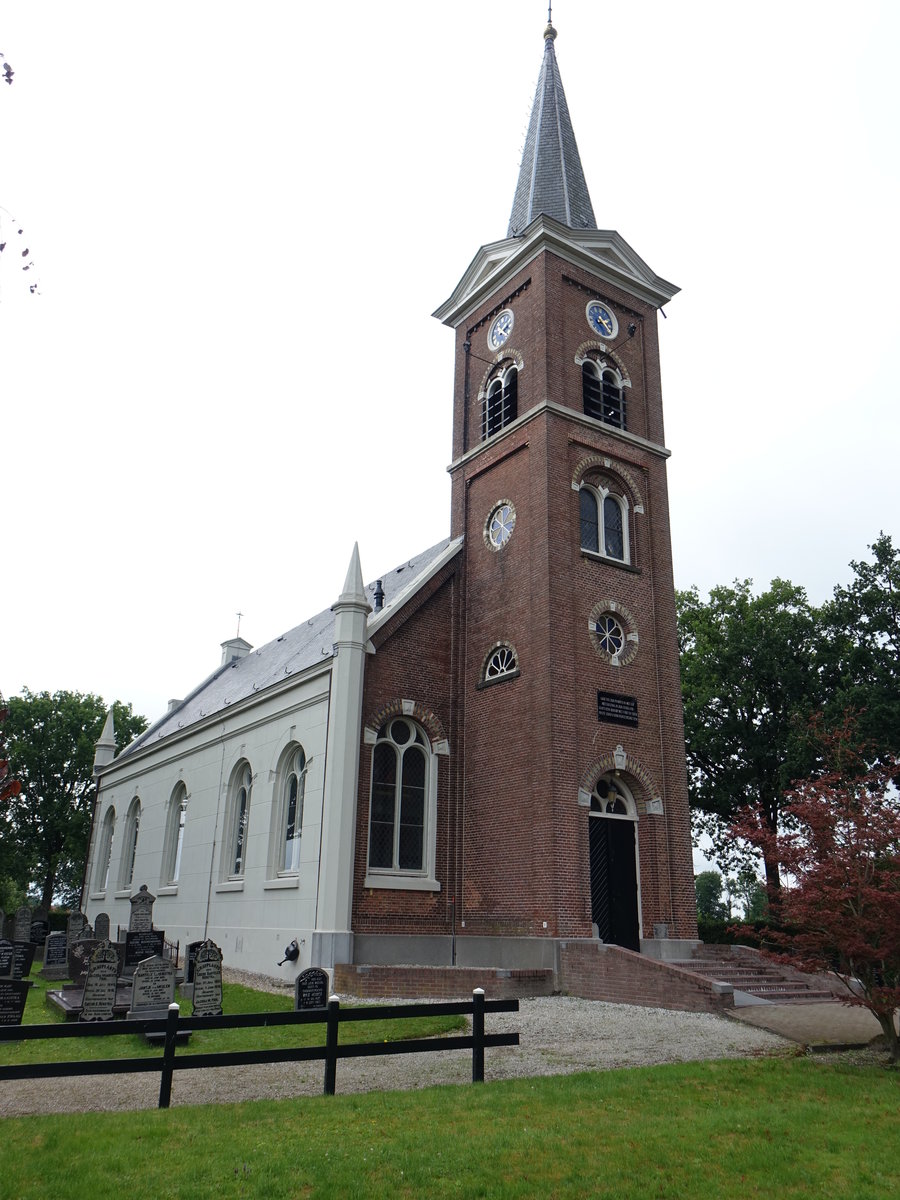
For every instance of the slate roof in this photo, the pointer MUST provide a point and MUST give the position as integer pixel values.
(551, 179)
(295, 651)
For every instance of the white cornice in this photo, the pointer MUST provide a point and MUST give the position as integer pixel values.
(570, 414)
(601, 251)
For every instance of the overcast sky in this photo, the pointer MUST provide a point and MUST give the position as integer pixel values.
(241, 216)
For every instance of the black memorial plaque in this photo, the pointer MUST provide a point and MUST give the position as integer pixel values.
(23, 958)
(614, 709)
(146, 944)
(13, 994)
(311, 989)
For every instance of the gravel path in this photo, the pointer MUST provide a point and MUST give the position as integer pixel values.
(558, 1035)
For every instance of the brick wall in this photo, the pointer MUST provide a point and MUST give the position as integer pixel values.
(597, 972)
(445, 983)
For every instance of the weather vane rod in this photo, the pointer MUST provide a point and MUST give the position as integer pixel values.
(238, 615)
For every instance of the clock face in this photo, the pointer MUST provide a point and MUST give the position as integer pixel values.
(601, 320)
(501, 328)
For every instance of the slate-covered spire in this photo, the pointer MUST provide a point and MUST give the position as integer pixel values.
(551, 180)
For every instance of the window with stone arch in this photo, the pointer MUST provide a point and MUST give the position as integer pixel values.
(501, 662)
(603, 392)
(604, 514)
(174, 839)
(501, 399)
(129, 844)
(612, 798)
(104, 850)
(287, 812)
(402, 803)
(237, 822)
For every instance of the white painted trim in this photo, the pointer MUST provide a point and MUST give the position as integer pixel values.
(402, 883)
(230, 885)
(288, 881)
(171, 889)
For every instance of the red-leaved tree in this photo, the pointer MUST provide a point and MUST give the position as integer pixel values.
(839, 906)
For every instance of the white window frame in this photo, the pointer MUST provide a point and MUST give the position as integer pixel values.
(103, 856)
(600, 495)
(173, 844)
(129, 845)
(241, 779)
(405, 879)
(293, 763)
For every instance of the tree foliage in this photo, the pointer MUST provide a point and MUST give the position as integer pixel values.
(750, 681)
(50, 746)
(710, 905)
(840, 907)
(862, 624)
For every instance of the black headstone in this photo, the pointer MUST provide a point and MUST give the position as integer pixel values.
(39, 931)
(311, 989)
(190, 957)
(23, 959)
(138, 946)
(7, 958)
(13, 994)
(207, 994)
(56, 961)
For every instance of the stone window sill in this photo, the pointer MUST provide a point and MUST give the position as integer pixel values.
(171, 889)
(402, 883)
(287, 881)
(230, 885)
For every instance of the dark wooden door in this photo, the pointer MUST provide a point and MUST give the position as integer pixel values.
(614, 881)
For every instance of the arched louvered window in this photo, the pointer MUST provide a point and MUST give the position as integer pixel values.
(613, 399)
(602, 393)
(501, 402)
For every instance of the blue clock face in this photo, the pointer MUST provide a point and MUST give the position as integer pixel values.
(601, 320)
(501, 328)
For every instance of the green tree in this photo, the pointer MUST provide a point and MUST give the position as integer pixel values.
(710, 905)
(750, 680)
(50, 746)
(863, 661)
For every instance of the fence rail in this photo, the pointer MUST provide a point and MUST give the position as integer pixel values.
(172, 1025)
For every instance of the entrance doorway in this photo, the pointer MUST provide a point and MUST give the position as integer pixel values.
(613, 865)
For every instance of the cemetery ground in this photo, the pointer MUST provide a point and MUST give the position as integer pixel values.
(779, 1123)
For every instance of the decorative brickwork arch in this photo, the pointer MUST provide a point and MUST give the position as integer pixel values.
(618, 649)
(602, 462)
(506, 355)
(639, 780)
(418, 712)
(591, 348)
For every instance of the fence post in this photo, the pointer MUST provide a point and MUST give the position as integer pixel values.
(332, 1022)
(478, 1035)
(168, 1059)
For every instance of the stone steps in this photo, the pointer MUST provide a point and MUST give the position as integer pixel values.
(763, 980)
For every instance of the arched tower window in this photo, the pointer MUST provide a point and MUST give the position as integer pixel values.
(603, 393)
(603, 519)
(501, 401)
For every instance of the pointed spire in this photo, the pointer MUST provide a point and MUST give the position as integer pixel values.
(354, 588)
(551, 179)
(105, 748)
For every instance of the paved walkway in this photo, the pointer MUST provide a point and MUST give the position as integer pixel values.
(828, 1024)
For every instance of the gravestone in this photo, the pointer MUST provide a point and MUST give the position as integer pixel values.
(99, 995)
(13, 994)
(22, 926)
(7, 958)
(40, 926)
(141, 920)
(190, 958)
(56, 960)
(207, 994)
(75, 924)
(101, 927)
(2, 923)
(23, 959)
(139, 946)
(79, 956)
(152, 989)
(311, 989)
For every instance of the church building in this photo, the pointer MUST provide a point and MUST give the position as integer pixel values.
(479, 756)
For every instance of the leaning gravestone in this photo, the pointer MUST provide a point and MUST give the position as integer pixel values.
(13, 994)
(152, 989)
(207, 994)
(56, 961)
(79, 957)
(23, 959)
(22, 927)
(7, 958)
(101, 927)
(100, 984)
(141, 911)
(311, 989)
(76, 922)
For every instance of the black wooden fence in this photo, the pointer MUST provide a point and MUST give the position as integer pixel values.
(332, 1016)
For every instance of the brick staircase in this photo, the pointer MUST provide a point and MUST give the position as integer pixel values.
(749, 972)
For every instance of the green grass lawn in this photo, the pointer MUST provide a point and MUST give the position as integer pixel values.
(774, 1127)
(236, 999)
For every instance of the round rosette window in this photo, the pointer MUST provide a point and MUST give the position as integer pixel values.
(613, 633)
(499, 526)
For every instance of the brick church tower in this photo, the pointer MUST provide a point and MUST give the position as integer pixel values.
(572, 812)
